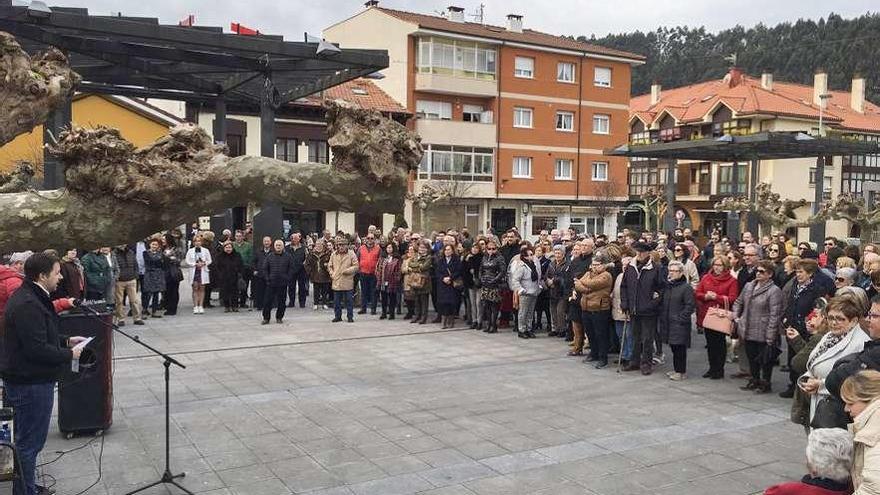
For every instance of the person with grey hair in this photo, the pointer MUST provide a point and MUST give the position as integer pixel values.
(758, 313)
(829, 459)
(675, 318)
(844, 277)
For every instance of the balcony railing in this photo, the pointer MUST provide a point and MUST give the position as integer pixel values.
(691, 132)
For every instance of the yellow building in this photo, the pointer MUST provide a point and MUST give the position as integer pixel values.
(138, 121)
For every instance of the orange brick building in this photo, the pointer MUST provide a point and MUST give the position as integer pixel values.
(513, 121)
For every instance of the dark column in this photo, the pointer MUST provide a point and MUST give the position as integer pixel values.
(753, 183)
(220, 129)
(817, 231)
(269, 220)
(669, 217)
(732, 216)
(222, 220)
(53, 169)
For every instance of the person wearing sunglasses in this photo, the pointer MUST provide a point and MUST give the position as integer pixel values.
(844, 338)
(757, 311)
(675, 318)
(682, 253)
(868, 358)
(493, 271)
(844, 277)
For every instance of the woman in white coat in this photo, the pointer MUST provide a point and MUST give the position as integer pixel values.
(198, 259)
(844, 338)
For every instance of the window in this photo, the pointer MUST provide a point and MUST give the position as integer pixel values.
(472, 217)
(725, 180)
(589, 225)
(472, 113)
(285, 149)
(540, 223)
(600, 171)
(524, 67)
(458, 58)
(601, 124)
(642, 176)
(434, 110)
(826, 192)
(456, 162)
(522, 117)
(739, 127)
(318, 151)
(565, 72)
(522, 167)
(602, 77)
(565, 121)
(563, 169)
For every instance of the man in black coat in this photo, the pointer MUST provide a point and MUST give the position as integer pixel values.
(277, 272)
(641, 293)
(259, 283)
(300, 278)
(34, 356)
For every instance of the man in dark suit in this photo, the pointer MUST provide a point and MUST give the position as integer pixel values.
(34, 355)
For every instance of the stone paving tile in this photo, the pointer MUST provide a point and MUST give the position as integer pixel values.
(311, 407)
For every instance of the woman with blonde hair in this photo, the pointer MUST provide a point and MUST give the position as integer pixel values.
(860, 392)
(198, 259)
(844, 338)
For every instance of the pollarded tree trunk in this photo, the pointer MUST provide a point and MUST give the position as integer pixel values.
(117, 194)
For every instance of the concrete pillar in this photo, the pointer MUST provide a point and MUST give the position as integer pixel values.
(53, 169)
(669, 217)
(268, 220)
(817, 231)
(753, 183)
(732, 216)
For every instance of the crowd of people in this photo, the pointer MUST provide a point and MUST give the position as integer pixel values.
(634, 296)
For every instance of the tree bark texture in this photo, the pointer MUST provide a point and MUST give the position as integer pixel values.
(30, 88)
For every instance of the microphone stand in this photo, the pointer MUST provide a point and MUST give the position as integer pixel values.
(167, 477)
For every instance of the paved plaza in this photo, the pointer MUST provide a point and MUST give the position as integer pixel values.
(386, 407)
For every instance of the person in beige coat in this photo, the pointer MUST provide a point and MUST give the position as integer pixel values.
(860, 393)
(343, 266)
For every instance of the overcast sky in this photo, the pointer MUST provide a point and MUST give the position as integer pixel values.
(570, 17)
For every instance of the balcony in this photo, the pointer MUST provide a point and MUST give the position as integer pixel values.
(437, 83)
(457, 132)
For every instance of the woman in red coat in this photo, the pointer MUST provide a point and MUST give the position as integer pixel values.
(717, 289)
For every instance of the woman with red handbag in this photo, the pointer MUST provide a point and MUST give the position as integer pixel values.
(717, 289)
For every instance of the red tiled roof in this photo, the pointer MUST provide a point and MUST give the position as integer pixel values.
(692, 103)
(527, 36)
(361, 92)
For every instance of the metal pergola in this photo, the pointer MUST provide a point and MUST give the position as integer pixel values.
(753, 148)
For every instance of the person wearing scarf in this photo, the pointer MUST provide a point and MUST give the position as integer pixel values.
(526, 283)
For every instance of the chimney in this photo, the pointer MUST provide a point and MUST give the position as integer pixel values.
(767, 80)
(820, 87)
(455, 14)
(857, 94)
(655, 93)
(371, 3)
(514, 23)
(733, 77)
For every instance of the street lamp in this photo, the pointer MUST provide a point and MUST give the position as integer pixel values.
(822, 98)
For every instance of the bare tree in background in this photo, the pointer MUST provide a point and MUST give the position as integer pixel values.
(435, 193)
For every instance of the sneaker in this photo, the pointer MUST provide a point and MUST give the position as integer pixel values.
(677, 377)
(195, 310)
(137, 322)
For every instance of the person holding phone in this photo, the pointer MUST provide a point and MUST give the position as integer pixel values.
(34, 356)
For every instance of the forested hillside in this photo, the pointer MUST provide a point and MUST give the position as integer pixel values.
(792, 51)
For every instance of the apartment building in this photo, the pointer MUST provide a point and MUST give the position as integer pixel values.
(739, 104)
(513, 121)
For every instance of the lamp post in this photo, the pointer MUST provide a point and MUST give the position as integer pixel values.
(822, 98)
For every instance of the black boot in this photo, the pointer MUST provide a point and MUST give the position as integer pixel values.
(752, 385)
